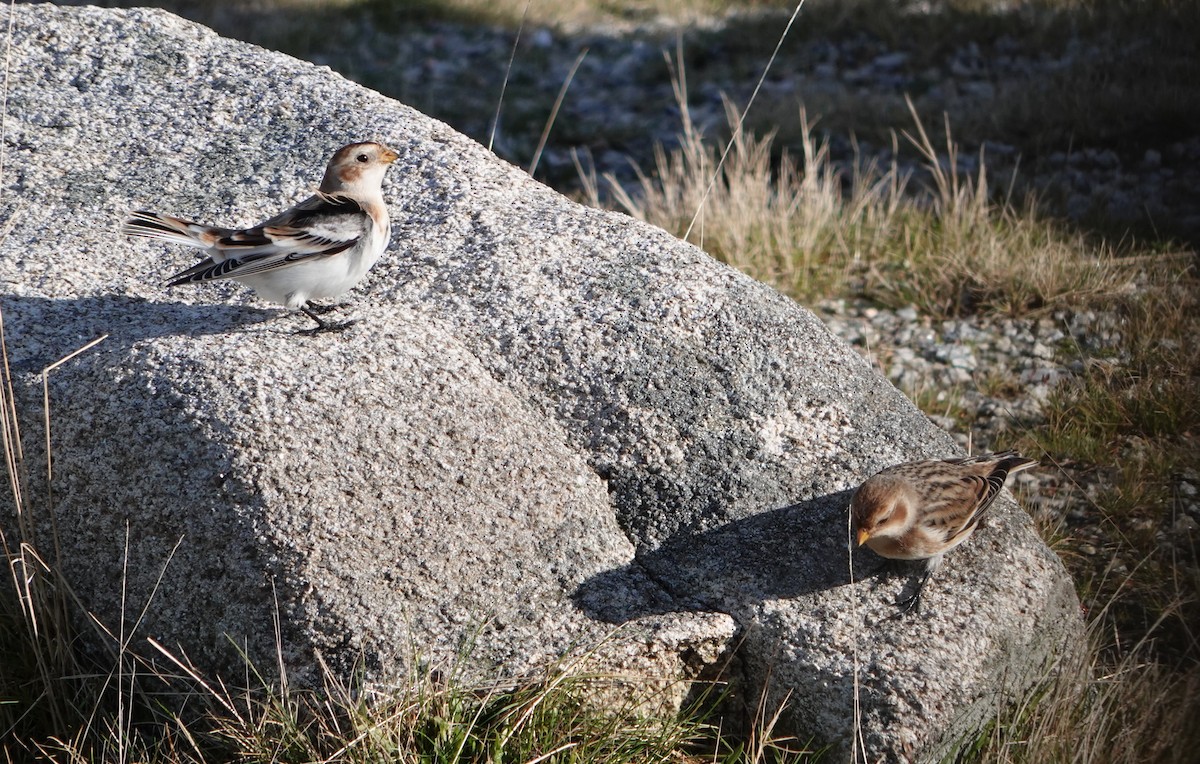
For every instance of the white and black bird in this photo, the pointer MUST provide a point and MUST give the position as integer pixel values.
(317, 250)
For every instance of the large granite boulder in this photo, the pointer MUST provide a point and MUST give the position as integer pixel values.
(548, 422)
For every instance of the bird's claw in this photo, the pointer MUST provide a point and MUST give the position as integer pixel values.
(323, 326)
(326, 327)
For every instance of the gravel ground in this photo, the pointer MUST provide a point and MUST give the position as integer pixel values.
(991, 376)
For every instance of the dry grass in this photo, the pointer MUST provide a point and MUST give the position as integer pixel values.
(1131, 420)
(438, 719)
(795, 232)
(1090, 711)
(813, 231)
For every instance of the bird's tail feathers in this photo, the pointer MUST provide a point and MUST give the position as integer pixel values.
(1011, 462)
(1006, 461)
(156, 225)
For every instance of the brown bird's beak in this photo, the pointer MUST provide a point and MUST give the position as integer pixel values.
(389, 156)
(863, 535)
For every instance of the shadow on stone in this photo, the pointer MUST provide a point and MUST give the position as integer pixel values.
(39, 330)
(778, 554)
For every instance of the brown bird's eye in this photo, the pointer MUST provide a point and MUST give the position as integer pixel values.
(362, 158)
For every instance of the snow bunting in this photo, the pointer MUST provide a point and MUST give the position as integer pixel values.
(316, 250)
(921, 510)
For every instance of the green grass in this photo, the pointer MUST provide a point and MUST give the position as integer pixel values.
(1135, 422)
(75, 710)
(433, 720)
(1092, 711)
(427, 720)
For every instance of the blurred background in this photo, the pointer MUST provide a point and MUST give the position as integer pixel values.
(1098, 101)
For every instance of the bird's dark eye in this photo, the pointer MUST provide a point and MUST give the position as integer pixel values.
(362, 158)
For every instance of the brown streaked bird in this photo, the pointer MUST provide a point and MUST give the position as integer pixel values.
(921, 510)
(317, 250)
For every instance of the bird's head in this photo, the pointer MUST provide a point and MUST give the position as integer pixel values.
(357, 169)
(879, 509)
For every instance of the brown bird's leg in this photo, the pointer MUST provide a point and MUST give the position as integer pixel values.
(913, 601)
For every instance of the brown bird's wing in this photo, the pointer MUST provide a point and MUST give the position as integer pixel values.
(953, 502)
(982, 491)
(984, 478)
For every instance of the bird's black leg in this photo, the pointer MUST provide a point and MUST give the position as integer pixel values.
(913, 601)
(322, 325)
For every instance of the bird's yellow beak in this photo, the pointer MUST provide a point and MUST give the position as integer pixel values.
(389, 156)
(863, 535)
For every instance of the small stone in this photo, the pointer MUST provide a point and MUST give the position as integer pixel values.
(890, 60)
(1142, 524)
(980, 89)
(945, 422)
(1038, 393)
(962, 358)
(1041, 350)
(1033, 376)
(904, 355)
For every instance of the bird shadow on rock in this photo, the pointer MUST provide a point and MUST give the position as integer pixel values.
(778, 554)
(39, 331)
